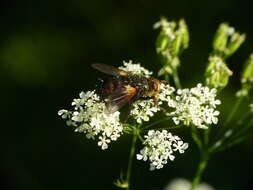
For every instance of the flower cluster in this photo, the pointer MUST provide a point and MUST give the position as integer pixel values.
(196, 106)
(159, 147)
(90, 117)
(135, 68)
(170, 43)
(98, 115)
(165, 95)
(144, 109)
(217, 72)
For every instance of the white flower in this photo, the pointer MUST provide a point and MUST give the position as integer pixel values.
(77, 116)
(180, 146)
(135, 68)
(196, 106)
(159, 147)
(90, 117)
(63, 113)
(103, 142)
(165, 95)
(143, 109)
(183, 184)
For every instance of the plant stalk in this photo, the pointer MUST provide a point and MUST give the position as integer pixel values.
(233, 111)
(156, 122)
(196, 138)
(176, 79)
(130, 161)
(230, 116)
(199, 173)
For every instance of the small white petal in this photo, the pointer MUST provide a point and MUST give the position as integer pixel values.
(139, 157)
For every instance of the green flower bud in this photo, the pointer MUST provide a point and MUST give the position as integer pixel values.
(165, 37)
(227, 40)
(171, 41)
(243, 92)
(185, 33)
(163, 42)
(171, 65)
(235, 42)
(221, 38)
(246, 78)
(182, 38)
(217, 73)
(175, 63)
(165, 69)
(247, 72)
(169, 68)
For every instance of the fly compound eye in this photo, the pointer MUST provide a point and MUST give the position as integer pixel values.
(155, 86)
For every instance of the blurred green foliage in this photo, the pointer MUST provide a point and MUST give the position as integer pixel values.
(46, 49)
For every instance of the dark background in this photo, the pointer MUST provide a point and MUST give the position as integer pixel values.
(46, 48)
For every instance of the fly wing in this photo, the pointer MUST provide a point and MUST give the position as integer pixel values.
(108, 69)
(120, 97)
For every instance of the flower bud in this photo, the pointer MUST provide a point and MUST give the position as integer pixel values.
(247, 72)
(169, 68)
(235, 42)
(217, 73)
(163, 42)
(182, 38)
(165, 69)
(166, 35)
(221, 37)
(227, 40)
(171, 41)
(246, 78)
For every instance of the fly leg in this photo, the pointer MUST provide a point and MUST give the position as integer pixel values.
(156, 104)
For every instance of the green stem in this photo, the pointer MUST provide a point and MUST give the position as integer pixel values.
(244, 129)
(167, 128)
(206, 136)
(243, 118)
(204, 156)
(196, 138)
(157, 122)
(239, 137)
(176, 79)
(233, 111)
(230, 116)
(201, 167)
(233, 143)
(130, 161)
(140, 137)
(236, 130)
